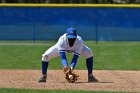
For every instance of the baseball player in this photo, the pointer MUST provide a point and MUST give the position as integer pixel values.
(70, 42)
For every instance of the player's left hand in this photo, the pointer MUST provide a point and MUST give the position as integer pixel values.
(70, 76)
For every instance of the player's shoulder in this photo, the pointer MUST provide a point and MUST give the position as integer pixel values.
(79, 38)
(63, 37)
(62, 40)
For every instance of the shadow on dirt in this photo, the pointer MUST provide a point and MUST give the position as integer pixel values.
(93, 82)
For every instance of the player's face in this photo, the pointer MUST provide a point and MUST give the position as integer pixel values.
(71, 41)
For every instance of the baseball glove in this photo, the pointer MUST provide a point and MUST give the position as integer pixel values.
(70, 76)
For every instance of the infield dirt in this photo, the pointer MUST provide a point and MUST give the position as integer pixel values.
(109, 80)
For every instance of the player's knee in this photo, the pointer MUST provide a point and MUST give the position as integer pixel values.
(89, 53)
(45, 58)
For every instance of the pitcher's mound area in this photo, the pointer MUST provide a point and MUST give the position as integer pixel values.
(128, 81)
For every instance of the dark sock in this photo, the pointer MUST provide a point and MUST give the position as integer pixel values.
(89, 63)
(44, 67)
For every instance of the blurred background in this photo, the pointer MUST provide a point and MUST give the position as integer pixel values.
(72, 1)
(50, 22)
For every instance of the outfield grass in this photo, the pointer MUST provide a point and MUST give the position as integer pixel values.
(5, 90)
(107, 55)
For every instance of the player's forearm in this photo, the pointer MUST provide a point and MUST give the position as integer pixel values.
(74, 61)
(63, 59)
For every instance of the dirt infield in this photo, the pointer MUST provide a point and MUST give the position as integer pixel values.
(128, 81)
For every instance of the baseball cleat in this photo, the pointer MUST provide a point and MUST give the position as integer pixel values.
(42, 78)
(91, 78)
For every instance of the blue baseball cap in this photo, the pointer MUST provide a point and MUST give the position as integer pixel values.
(71, 33)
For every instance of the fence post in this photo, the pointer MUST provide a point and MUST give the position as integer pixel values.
(33, 32)
(96, 26)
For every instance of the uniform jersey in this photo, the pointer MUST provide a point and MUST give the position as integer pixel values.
(63, 45)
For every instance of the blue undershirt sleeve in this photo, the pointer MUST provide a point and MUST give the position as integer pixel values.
(74, 61)
(63, 59)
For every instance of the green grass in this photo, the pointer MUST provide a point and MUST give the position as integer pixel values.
(5, 90)
(107, 55)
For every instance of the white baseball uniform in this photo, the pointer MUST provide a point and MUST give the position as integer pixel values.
(62, 45)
